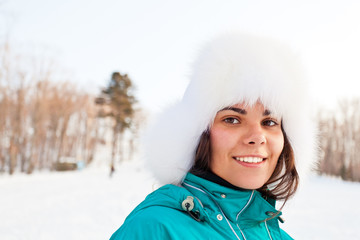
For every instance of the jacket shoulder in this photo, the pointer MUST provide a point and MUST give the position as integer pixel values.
(143, 224)
(158, 216)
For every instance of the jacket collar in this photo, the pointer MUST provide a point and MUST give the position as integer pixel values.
(236, 205)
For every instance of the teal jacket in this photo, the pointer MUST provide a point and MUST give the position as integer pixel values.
(201, 209)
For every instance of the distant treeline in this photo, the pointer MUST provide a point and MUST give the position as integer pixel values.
(40, 120)
(340, 141)
(41, 123)
(43, 120)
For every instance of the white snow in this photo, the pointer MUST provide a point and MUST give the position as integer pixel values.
(325, 208)
(89, 205)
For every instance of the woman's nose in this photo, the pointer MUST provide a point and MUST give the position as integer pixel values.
(255, 136)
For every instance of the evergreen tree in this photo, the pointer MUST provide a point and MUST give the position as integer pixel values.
(119, 98)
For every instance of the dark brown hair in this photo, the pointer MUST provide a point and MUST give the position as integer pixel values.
(284, 178)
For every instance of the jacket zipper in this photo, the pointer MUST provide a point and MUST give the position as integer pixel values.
(237, 216)
(267, 229)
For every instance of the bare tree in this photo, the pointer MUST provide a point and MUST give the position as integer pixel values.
(340, 140)
(41, 120)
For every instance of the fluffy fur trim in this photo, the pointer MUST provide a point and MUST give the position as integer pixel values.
(232, 69)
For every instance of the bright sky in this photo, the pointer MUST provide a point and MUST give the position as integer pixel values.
(156, 41)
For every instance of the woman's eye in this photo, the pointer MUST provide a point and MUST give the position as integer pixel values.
(269, 122)
(231, 120)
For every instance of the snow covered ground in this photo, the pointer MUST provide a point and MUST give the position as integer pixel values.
(89, 205)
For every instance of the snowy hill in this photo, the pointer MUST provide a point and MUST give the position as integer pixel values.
(89, 205)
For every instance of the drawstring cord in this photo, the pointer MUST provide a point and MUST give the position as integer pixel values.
(188, 205)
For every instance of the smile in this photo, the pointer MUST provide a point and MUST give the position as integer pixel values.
(249, 159)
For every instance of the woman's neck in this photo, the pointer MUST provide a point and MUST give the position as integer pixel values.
(210, 176)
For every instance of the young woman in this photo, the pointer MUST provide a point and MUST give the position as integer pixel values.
(230, 148)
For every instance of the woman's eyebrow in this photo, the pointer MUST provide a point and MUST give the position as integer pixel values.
(243, 111)
(238, 110)
(267, 112)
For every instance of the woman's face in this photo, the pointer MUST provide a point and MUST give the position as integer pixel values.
(246, 143)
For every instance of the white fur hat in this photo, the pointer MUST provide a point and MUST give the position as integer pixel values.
(232, 69)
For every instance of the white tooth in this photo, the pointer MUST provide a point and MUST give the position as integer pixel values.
(249, 159)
